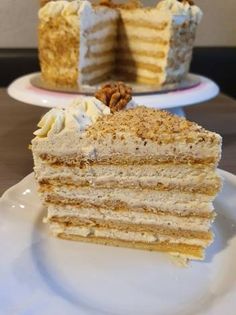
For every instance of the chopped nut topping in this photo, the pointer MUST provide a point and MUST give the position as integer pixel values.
(115, 95)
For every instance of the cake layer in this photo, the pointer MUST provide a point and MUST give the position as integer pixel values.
(140, 59)
(98, 32)
(156, 40)
(137, 136)
(146, 183)
(185, 250)
(144, 24)
(123, 75)
(201, 179)
(165, 220)
(179, 202)
(132, 232)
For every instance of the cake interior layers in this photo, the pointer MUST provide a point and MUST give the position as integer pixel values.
(70, 213)
(183, 177)
(139, 240)
(169, 43)
(98, 59)
(137, 178)
(136, 199)
(93, 204)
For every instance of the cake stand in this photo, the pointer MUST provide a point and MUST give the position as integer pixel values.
(22, 90)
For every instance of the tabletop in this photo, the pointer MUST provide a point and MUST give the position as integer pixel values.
(19, 120)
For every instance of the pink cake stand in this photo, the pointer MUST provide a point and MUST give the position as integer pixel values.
(22, 90)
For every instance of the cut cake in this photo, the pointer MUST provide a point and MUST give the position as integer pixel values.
(139, 178)
(81, 43)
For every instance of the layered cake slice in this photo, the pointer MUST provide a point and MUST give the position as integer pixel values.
(139, 178)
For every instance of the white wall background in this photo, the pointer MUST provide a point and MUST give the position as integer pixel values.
(18, 23)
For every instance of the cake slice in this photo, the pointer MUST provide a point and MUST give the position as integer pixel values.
(139, 178)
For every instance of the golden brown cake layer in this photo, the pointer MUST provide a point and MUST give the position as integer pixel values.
(201, 188)
(124, 53)
(188, 251)
(117, 205)
(121, 209)
(122, 160)
(161, 26)
(206, 237)
(141, 39)
(95, 67)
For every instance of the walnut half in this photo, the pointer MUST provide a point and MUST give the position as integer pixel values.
(115, 95)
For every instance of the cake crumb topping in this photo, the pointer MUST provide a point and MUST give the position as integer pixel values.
(114, 95)
(148, 124)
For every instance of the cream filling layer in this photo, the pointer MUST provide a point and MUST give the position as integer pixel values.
(100, 34)
(89, 17)
(131, 217)
(162, 200)
(144, 237)
(105, 175)
(68, 144)
(97, 61)
(92, 75)
(190, 173)
(133, 57)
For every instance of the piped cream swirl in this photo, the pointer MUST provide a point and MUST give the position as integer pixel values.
(62, 8)
(80, 114)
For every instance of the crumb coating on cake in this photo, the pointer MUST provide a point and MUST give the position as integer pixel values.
(150, 124)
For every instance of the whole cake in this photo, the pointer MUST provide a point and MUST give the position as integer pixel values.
(81, 43)
(139, 177)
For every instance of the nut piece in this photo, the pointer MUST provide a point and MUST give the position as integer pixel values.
(115, 95)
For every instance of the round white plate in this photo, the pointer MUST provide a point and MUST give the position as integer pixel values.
(40, 274)
(22, 90)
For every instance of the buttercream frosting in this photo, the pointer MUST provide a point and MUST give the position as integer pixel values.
(81, 113)
(63, 8)
(181, 8)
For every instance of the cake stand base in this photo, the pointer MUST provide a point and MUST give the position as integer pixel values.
(22, 90)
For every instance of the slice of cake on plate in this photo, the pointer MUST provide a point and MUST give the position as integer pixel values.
(139, 178)
(82, 43)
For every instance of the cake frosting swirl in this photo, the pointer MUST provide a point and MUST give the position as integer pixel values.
(63, 8)
(81, 113)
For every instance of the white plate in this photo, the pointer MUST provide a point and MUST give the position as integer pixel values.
(40, 274)
(22, 90)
